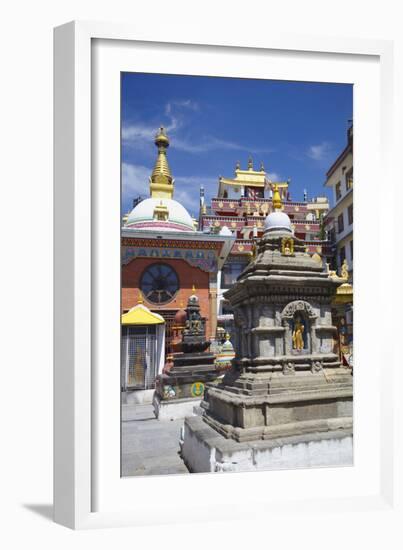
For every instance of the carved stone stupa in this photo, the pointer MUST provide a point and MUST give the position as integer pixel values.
(181, 386)
(287, 401)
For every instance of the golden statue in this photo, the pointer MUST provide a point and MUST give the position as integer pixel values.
(297, 335)
(344, 270)
(136, 373)
(287, 247)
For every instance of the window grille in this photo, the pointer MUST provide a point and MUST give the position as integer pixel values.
(139, 357)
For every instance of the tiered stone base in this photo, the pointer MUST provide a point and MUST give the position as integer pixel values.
(203, 449)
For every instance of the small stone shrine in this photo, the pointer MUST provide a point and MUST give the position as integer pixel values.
(287, 401)
(181, 386)
(225, 354)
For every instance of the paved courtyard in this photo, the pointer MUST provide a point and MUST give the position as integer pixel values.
(149, 446)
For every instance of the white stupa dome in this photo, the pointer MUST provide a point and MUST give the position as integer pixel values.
(225, 231)
(160, 212)
(278, 221)
(143, 216)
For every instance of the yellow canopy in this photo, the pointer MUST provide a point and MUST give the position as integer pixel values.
(141, 315)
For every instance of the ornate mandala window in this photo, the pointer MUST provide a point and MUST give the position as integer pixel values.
(159, 283)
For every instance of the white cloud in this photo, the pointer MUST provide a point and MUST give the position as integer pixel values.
(274, 176)
(207, 143)
(183, 103)
(320, 151)
(174, 120)
(137, 132)
(135, 180)
(143, 134)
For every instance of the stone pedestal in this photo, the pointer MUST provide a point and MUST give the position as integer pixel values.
(180, 389)
(205, 450)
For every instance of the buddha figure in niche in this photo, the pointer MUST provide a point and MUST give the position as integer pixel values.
(298, 335)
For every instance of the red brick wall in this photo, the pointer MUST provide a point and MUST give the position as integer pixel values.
(188, 276)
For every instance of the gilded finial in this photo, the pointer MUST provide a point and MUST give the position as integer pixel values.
(227, 336)
(161, 181)
(277, 204)
(140, 298)
(193, 289)
(238, 165)
(161, 138)
(262, 166)
(250, 163)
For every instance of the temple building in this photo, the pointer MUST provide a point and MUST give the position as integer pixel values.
(242, 204)
(163, 258)
(339, 219)
(339, 227)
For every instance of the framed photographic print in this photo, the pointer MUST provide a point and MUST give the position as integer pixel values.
(211, 319)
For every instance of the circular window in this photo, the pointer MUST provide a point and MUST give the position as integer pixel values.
(159, 283)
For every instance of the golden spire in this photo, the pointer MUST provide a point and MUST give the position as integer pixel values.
(140, 298)
(277, 204)
(161, 181)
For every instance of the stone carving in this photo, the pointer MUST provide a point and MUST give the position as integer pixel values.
(317, 366)
(288, 368)
(297, 306)
(265, 317)
(239, 319)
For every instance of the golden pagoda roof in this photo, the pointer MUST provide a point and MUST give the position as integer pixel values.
(257, 178)
(251, 177)
(141, 315)
(344, 294)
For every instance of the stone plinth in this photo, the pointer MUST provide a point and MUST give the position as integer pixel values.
(180, 389)
(204, 450)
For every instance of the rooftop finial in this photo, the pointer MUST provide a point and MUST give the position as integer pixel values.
(238, 165)
(193, 289)
(277, 204)
(262, 166)
(140, 298)
(250, 163)
(161, 181)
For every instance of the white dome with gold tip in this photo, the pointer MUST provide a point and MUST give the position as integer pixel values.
(160, 212)
(277, 220)
(144, 216)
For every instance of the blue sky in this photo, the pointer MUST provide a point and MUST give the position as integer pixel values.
(296, 128)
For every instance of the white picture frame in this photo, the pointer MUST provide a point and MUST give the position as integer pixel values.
(88, 490)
